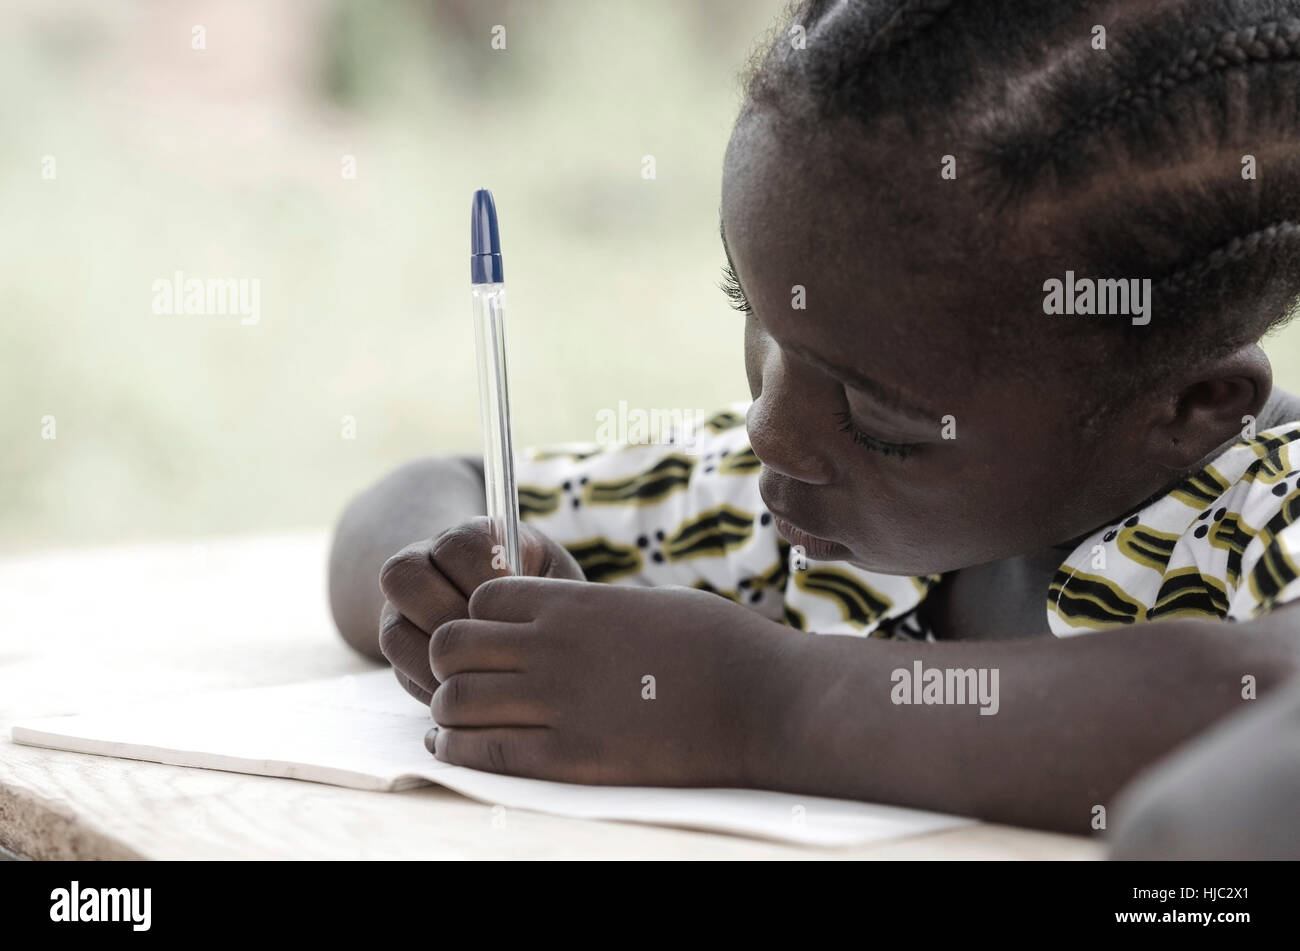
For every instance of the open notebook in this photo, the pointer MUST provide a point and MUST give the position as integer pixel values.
(364, 731)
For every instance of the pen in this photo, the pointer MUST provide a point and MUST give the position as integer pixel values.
(487, 286)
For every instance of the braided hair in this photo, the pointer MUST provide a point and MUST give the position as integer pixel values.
(1150, 132)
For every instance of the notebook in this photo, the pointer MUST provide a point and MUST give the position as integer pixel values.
(365, 732)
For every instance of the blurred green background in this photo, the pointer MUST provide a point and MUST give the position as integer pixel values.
(227, 162)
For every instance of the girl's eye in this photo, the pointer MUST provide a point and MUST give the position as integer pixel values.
(902, 450)
(731, 287)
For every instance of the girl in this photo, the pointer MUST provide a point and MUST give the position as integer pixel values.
(940, 453)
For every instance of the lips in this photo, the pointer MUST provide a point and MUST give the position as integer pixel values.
(819, 549)
(771, 487)
(814, 546)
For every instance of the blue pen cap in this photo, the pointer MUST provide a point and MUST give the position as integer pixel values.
(485, 265)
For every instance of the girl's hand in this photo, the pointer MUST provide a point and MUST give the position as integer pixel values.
(430, 582)
(608, 684)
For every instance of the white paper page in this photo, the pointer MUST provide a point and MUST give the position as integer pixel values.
(364, 731)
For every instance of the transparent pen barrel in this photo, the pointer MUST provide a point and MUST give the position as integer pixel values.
(494, 406)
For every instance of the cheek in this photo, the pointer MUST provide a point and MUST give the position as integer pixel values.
(921, 524)
(993, 495)
(956, 504)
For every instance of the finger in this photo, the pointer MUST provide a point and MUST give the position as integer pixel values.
(406, 647)
(521, 751)
(471, 554)
(466, 646)
(419, 590)
(486, 699)
(519, 599)
(466, 555)
(415, 690)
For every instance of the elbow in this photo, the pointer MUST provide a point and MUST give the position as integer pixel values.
(355, 599)
(417, 500)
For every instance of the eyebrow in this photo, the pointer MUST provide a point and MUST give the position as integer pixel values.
(882, 393)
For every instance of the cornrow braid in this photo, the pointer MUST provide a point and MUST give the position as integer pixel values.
(1238, 249)
(1024, 155)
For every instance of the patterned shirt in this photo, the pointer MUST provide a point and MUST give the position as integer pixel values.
(687, 511)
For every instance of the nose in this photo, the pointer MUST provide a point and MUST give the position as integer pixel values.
(783, 440)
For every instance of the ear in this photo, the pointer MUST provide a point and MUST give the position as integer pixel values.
(1205, 408)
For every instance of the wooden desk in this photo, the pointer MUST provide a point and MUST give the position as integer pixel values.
(84, 629)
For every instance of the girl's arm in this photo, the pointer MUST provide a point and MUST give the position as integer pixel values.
(415, 502)
(1231, 793)
(1075, 719)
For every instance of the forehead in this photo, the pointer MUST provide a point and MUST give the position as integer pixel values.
(883, 280)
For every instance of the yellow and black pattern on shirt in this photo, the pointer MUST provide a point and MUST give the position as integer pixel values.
(860, 604)
(1091, 601)
(670, 474)
(751, 588)
(1231, 534)
(711, 534)
(1086, 600)
(1146, 546)
(1274, 462)
(1187, 593)
(743, 462)
(909, 626)
(1275, 568)
(1201, 489)
(1273, 467)
(723, 420)
(906, 627)
(606, 561)
(536, 502)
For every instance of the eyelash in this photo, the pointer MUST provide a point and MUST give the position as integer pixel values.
(731, 287)
(901, 450)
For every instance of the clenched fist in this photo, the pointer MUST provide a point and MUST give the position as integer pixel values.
(430, 583)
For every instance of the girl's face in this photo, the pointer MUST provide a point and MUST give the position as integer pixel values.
(875, 430)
